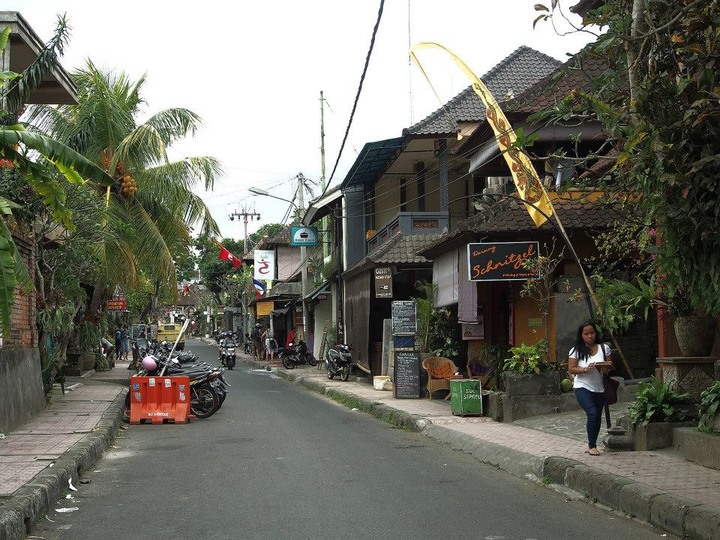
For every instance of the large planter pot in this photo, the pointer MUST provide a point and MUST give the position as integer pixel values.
(695, 335)
(532, 384)
(655, 435)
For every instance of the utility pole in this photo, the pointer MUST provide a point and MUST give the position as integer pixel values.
(303, 258)
(247, 216)
(324, 222)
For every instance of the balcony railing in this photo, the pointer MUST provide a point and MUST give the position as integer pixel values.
(408, 223)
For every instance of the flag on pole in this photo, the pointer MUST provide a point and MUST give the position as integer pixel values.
(225, 255)
(259, 288)
(526, 179)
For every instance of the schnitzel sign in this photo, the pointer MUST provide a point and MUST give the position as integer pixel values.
(502, 261)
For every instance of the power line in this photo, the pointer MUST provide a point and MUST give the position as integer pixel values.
(357, 95)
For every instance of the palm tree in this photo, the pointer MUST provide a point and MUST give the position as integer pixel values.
(150, 205)
(19, 150)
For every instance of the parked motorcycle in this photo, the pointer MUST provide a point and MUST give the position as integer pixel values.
(227, 353)
(296, 355)
(208, 386)
(338, 362)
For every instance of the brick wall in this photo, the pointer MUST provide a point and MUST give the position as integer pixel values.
(23, 331)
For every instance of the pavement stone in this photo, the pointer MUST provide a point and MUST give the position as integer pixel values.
(659, 487)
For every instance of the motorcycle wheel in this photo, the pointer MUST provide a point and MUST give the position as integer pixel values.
(345, 372)
(310, 359)
(330, 374)
(204, 402)
(231, 362)
(288, 362)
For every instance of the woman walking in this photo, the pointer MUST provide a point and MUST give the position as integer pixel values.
(588, 384)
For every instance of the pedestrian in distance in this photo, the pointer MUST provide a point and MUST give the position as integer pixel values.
(118, 345)
(290, 338)
(589, 361)
(256, 336)
(270, 345)
(125, 343)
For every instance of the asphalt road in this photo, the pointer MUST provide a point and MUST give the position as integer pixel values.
(280, 462)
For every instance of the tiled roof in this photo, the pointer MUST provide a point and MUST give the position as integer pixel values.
(281, 238)
(509, 218)
(400, 249)
(513, 75)
(579, 73)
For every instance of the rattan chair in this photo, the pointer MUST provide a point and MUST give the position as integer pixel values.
(440, 370)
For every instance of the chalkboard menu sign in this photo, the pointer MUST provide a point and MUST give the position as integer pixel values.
(404, 317)
(407, 375)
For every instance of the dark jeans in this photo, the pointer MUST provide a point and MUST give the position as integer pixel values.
(592, 403)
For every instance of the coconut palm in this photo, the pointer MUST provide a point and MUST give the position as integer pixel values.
(26, 157)
(151, 204)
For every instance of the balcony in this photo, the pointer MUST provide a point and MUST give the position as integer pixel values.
(408, 223)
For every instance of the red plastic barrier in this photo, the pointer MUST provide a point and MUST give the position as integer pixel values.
(160, 399)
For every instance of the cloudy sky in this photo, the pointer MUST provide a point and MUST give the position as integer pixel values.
(254, 72)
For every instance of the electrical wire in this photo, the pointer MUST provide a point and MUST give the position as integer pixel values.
(357, 95)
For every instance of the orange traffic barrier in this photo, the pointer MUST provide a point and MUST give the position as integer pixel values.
(160, 399)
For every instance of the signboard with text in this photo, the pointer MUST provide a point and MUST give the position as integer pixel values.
(404, 317)
(264, 264)
(117, 304)
(501, 261)
(303, 236)
(383, 282)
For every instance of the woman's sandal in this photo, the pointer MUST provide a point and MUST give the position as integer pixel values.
(594, 452)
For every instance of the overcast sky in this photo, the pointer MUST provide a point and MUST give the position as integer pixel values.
(254, 72)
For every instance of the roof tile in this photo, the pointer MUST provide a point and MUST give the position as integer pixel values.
(510, 77)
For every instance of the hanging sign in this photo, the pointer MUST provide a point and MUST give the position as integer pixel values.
(118, 303)
(383, 282)
(501, 261)
(303, 236)
(264, 264)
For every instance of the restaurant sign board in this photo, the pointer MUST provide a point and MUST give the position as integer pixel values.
(501, 261)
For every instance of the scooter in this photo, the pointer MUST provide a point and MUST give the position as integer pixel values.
(228, 357)
(338, 362)
(296, 355)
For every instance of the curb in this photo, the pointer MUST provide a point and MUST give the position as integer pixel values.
(677, 515)
(20, 513)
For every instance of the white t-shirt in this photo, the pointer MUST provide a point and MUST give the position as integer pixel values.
(593, 379)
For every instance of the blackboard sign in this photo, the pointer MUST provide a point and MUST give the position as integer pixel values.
(501, 261)
(404, 317)
(407, 375)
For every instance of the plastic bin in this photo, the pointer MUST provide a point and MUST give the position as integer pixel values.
(466, 397)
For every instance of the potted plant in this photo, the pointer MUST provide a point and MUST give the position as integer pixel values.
(656, 411)
(695, 332)
(528, 372)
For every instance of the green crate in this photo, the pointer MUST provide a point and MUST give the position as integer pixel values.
(466, 397)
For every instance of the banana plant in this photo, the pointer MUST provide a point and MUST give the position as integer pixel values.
(31, 154)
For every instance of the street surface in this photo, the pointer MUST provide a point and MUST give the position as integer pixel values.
(280, 462)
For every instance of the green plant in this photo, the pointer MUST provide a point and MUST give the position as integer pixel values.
(528, 359)
(709, 405)
(656, 401)
(436, 327)
(423, 311)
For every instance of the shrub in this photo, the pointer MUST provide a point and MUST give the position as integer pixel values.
(709, 405)
(658, 402)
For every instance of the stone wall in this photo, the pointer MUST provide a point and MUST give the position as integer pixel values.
(21, 392)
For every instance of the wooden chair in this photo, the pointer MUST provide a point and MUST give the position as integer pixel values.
(476, 369)
(440, 370)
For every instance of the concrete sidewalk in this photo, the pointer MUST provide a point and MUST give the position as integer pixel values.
(39, 461)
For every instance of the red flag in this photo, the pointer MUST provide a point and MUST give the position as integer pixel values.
(225, 255)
